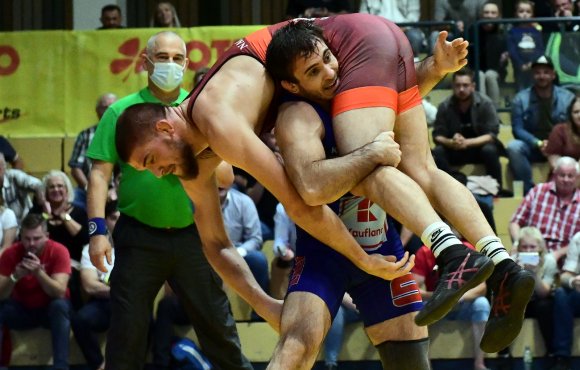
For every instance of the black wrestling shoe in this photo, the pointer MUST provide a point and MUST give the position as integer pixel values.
(461, 269)
(512, 288)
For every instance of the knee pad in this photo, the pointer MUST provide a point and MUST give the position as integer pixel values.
(405, 355)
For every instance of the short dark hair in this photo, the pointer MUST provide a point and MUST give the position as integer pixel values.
(465, 71)
(296, 39)
(33, 220)
(135, 126)
(110, 7)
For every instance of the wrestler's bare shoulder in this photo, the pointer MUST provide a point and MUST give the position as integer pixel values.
(240, 91)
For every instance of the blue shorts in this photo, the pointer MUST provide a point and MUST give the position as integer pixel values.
(320, 270)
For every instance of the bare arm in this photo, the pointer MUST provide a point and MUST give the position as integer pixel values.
(79, 177)
(8, 238)
(319, 180)
(99, 245)
(93, 285)
(53, 285)
(514, 229)
(227, 118)
(447, 57)
(219, 250)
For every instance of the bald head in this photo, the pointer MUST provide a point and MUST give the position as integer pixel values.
(162, 40)
(103, 102)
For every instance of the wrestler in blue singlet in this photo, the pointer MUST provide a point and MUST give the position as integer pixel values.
(320, 270)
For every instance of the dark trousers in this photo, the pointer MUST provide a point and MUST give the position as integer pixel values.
(169, 312)
(542, 309)
(55, 317)
(145, 258)
(487, 154)
(94, 317)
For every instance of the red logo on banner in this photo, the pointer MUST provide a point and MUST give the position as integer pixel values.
(8, 52)
(130, 49)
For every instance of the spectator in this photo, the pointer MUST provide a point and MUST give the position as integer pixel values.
(8, 226)
(34, 273)
(560, 9)
(111, 17)
(567, 306)
(79, 163)
(493, 54)
(95, 316)
(399, 12)
(552, 207)
(284, 251)
(156, 228)
(347, 314)
(16, 189)
(316, 8)
(564, 140)
(525, 44)
(535, 111)
(67, 224)
(463, 13)
(466, 128)
(472, 307)
(10, 154)
(165, 15)
(544, 265)
(199, 75)
(243, 227)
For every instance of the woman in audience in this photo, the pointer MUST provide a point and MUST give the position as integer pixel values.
(525, 44)
(8, 226)
(532, 255)
(67, 224)
(564, 140)
(165, 15)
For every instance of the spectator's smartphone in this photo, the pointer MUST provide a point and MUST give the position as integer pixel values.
(529, 258)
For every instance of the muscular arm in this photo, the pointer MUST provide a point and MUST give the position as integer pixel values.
(227, 118)
(318, 180)
(100, 177)
(217, 247)
(447, 57)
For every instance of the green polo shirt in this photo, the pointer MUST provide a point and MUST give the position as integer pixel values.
(157, 202)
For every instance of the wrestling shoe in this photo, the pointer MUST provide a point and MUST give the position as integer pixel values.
(461, 269)
(512, 288)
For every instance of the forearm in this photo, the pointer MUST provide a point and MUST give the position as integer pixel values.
(514, 229)
(79, 177)
(427, 75)
(97, 289)
(323, 224)
(234, 271)
(97, 191)
(329, 179)
(480, 140)
(52, 287)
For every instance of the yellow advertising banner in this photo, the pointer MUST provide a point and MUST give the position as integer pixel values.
(50, 80)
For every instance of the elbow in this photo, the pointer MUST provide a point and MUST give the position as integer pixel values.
(314, 196)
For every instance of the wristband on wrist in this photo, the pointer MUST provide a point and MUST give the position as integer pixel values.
(97, 226)
(13, 278)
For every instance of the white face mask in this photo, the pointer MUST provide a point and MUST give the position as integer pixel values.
(167, 76)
